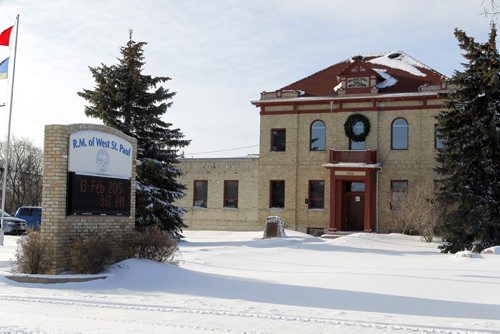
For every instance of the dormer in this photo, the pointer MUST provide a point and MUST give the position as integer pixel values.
(369, 74)
(357, 78)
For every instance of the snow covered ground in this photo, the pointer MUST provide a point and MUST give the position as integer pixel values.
(235, 282)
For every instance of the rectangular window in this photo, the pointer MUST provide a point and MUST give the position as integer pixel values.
(277, 194)
(356, 187)
(278, 140)
(438, 142)
(316, 194)
(398, 192)
(231, 194)
(200, 193)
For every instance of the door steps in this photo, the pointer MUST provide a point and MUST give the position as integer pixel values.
(338, 234)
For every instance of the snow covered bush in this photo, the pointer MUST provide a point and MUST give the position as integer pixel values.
(91, 254)
(34, 254)
(152, 244)
(467, 254)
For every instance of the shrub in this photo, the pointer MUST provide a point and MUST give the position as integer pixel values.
(91, 254)
(152, 244)
(417, 211)
(34, 254)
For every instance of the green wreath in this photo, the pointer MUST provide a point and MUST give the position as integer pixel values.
(349, 125)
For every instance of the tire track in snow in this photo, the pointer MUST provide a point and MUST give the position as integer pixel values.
(244, 314)
(153, 326)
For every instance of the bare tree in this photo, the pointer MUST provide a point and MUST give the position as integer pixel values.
(491, 9)
(416, 212)
(24, 178)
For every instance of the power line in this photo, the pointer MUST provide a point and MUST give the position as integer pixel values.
(226, 150)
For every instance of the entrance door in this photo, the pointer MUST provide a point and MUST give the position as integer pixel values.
(354, 207)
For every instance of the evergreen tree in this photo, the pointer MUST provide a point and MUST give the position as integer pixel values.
(470, 160)
(133, 103)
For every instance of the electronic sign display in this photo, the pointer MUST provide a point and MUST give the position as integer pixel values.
(95, 195)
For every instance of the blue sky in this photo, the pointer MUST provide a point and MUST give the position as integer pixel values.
(220, 54)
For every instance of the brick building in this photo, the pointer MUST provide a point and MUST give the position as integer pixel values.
(337, 148)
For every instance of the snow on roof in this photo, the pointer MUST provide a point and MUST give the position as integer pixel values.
(345, 97)
(338, 87)
(388, 79)
(351, 165)
(409, 75)
(401, 61)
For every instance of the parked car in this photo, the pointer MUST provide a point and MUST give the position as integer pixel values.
(32, 215)
(13, 225)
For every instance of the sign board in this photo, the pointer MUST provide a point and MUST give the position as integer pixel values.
(99, 153)
(349, 173)
(99, 174)
(94, 195)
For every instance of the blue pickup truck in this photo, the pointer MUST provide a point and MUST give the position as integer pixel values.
(32, 215)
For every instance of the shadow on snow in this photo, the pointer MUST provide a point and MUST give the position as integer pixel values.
(148, 276)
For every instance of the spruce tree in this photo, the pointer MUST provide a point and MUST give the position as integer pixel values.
(134, 103)
(469, 163)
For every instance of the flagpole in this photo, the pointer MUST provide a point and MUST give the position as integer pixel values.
(6, 168)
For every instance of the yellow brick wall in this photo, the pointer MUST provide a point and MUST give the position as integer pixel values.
(297, 165)
(414, 164)
(215, 171)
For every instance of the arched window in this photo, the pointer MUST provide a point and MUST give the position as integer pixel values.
(399, 134)
(358, 128)
(318, 133)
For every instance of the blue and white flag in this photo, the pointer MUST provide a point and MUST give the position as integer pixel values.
(4, 69)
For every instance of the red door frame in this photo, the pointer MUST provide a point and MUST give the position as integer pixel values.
(337, 194)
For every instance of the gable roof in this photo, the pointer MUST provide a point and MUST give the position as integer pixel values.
(397, 73)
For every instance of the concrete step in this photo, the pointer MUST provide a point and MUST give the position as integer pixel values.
(338, 234)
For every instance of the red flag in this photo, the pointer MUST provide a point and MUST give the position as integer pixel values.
(5, 36)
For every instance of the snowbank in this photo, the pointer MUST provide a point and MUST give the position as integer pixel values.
(239, 282)
(492, 250)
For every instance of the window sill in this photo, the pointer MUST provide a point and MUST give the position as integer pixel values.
(316, 210)
(276, 209)
(199, 207)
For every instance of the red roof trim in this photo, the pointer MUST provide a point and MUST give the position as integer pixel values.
(323, 111)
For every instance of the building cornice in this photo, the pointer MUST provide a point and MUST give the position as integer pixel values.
(327, 99)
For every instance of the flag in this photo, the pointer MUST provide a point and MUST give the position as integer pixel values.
(4, 68)
(5, 36)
